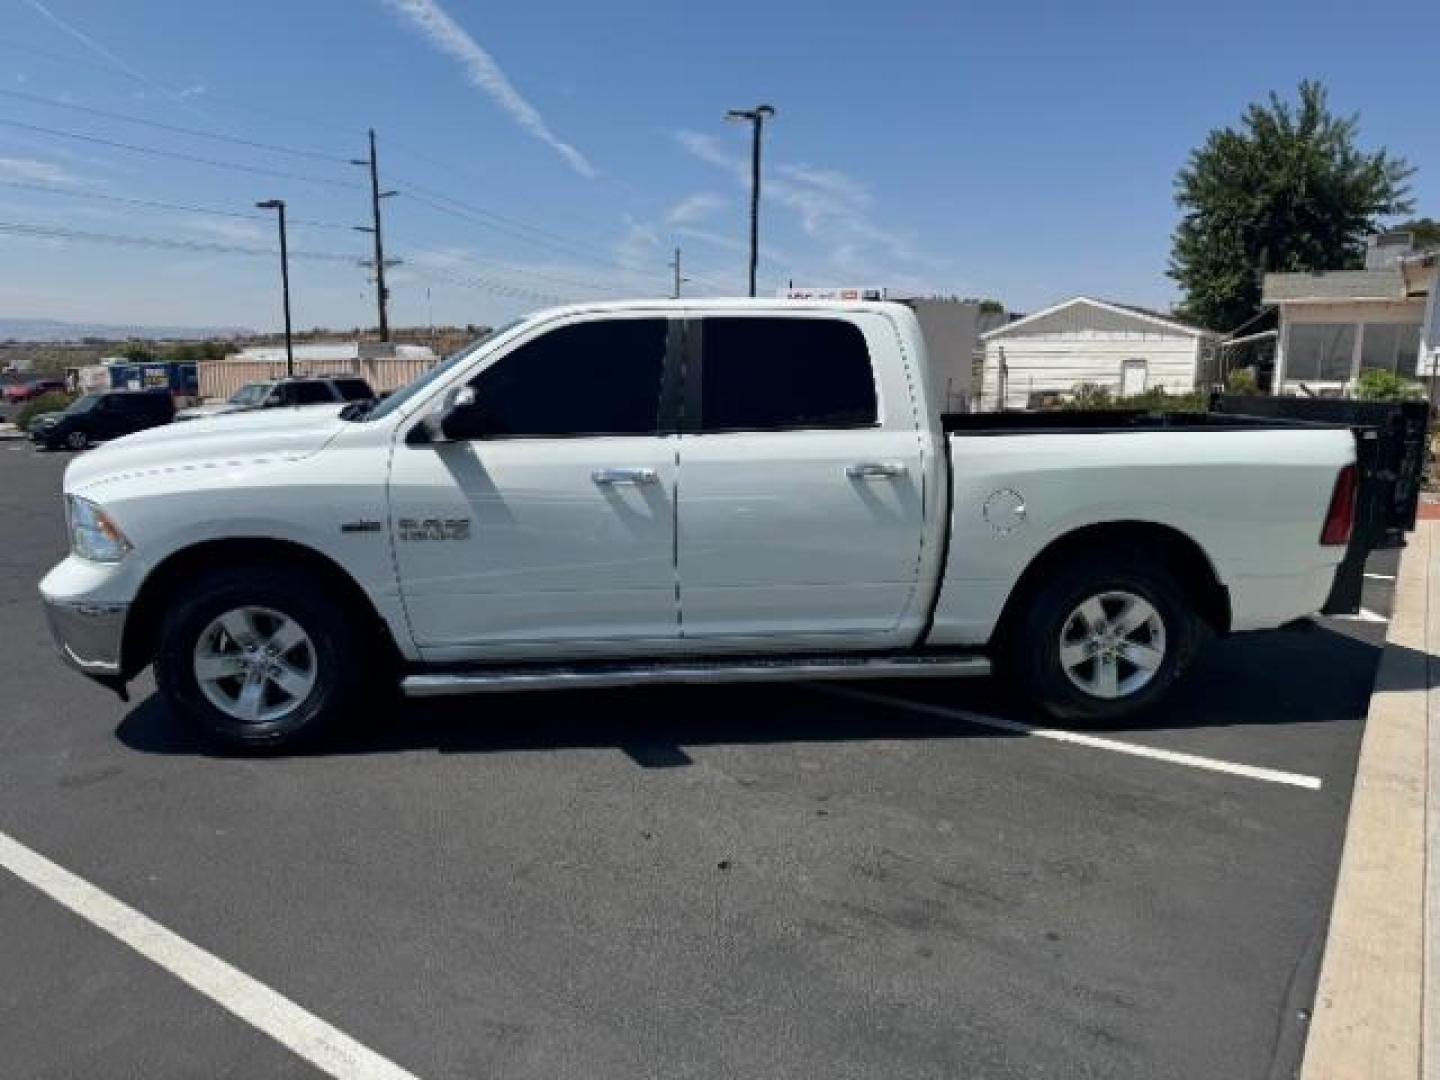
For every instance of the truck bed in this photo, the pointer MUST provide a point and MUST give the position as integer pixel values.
(1114, 420)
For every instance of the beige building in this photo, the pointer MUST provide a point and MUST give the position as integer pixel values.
(1335, 325)
(1128, 350)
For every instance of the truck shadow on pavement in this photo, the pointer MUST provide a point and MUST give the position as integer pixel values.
(1309, 676)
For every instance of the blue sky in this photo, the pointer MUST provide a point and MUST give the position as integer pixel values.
(1022, 151)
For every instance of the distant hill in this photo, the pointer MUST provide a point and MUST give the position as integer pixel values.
(52, 330)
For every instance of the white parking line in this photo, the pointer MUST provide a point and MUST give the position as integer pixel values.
(1380, 577)
(325, 1047)
(1094, 742)
(1363, 615)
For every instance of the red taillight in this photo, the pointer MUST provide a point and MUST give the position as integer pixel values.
(1340, 518)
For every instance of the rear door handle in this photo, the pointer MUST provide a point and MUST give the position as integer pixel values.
(874, 470)
(612, 477)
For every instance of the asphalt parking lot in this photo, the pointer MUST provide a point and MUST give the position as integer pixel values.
(754, 881)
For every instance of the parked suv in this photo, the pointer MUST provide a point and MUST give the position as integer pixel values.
(281, 392)
(96, 417)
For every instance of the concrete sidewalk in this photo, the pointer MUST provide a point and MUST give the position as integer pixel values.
(1376, 1007)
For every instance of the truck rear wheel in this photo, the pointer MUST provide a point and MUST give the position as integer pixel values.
(1103, 638)
(259, 658)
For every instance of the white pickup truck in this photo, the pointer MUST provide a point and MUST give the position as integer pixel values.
(682, 491)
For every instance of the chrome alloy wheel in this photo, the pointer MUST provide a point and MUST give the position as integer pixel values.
(1112, 644)
(255, 664)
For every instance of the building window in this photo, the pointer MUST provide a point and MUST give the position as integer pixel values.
(1320, 352)
(1391, 346)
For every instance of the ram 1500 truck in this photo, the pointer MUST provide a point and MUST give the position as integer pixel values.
(682, 491)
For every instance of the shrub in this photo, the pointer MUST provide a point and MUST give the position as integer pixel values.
(1089, 397)
(1377, 384)
(1242, 381)
(42, 404)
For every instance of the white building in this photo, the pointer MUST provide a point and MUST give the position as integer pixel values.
(1125, 349)
(1335, 325)
(341, 351)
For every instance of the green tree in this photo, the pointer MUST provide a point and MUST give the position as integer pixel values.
(1426, 230)
(1288, 189)
(137, 352)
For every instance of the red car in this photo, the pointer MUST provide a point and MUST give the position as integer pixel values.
(25, 391)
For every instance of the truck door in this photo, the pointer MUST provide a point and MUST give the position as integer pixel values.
(801, 509)
(553, 533)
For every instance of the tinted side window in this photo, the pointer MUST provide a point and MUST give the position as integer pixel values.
(598, 378)
(762, 374)
(309, 393)
(354, 389)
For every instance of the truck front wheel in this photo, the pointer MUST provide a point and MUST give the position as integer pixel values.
(258, 658)
(1103, 638)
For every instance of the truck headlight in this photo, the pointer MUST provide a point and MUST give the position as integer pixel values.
(93, 535)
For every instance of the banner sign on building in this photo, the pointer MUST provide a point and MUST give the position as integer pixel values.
(829, 293)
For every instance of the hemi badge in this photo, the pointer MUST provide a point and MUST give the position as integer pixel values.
(360, 526)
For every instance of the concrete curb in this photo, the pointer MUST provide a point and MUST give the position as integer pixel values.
(1370, 1015)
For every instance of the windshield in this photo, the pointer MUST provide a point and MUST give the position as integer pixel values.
(418, 384)
(83, 404)
(250, 394)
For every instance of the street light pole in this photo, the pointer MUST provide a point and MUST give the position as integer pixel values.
(279, 204)
(756, 117)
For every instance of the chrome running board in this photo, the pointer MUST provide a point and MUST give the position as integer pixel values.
(586, 676)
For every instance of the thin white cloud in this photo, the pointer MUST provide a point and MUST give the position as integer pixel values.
(694, 208)
(35, 171)
(832, 208)
(230, 229)
(100, 50)
(443, 32)
(831, 181)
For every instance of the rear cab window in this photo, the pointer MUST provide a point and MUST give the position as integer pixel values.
(784, 373)
(307, 393)
(354, 389)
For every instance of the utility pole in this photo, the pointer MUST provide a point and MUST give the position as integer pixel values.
(675, 265)
(756, 117)
(279, 204)
(382, 294)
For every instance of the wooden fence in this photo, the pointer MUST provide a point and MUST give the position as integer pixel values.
(221, 378)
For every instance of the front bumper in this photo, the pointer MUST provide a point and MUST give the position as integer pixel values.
(89, 636)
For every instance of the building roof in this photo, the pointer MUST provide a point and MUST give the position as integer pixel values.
(1139, 317)
(326, 350)
(1386, 284)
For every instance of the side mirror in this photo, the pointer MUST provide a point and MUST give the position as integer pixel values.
(457, 418)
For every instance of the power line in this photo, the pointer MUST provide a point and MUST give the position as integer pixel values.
(525, 271)
(158, 204)
(512, 227)
(176, 155)
(236, 140)
(48, 232)
(485, 285)
(95, 46)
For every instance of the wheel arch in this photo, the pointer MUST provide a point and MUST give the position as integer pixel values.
(171, 574)
(1176, 550)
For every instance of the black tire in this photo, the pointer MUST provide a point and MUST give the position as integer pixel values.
(77, 440)
(342, 656)
(1030, 651)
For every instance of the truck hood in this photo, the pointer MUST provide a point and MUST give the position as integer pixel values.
(249, 438)
(219, 408)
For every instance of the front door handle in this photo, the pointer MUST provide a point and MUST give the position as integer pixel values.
(874, 470)
(612, 477)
